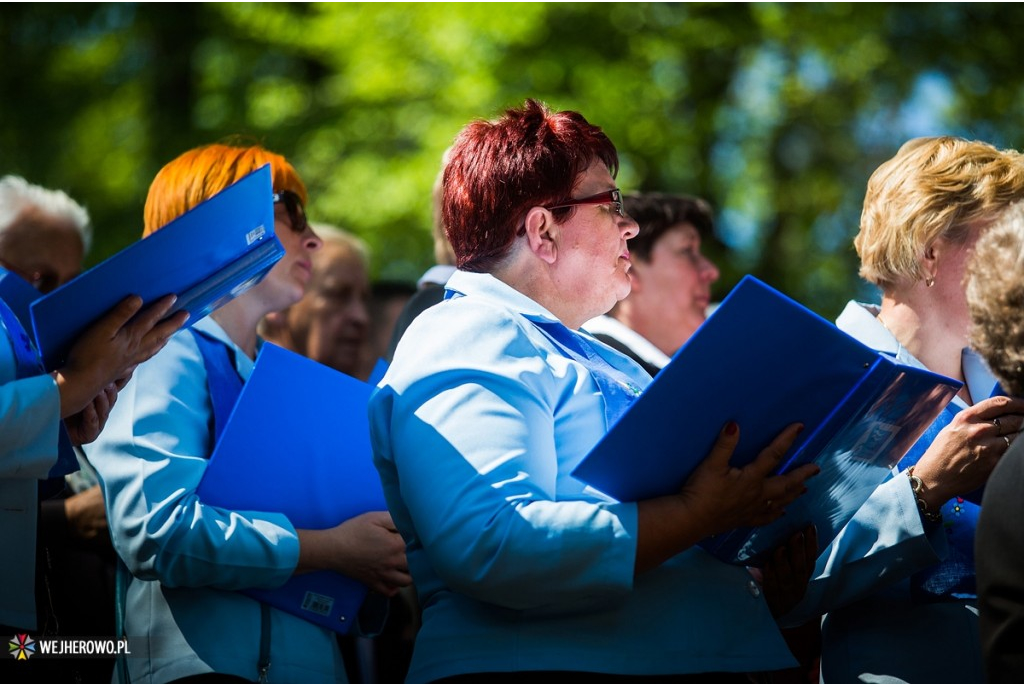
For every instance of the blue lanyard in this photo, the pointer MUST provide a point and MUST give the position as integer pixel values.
(222, 380)
(618, 389)
(25, 357)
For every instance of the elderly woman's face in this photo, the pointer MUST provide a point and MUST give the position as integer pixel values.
(593, 257)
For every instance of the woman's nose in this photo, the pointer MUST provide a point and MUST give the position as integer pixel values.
(629, 227)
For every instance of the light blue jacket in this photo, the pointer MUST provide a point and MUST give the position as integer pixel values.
(476, 428)
(29, 425)
(187, 558)
(873, 631)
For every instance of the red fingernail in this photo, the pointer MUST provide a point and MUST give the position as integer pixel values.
(731, 428)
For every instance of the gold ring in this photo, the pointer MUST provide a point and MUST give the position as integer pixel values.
(768, 504)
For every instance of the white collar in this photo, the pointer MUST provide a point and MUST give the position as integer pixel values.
(439, 274)
(859, 320)
(487, 287)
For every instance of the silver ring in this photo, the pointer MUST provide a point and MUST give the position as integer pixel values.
(1006, 438)
(995, 422)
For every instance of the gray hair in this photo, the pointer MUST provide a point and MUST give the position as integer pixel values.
(17, 195)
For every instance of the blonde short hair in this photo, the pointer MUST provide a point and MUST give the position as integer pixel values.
(933, 187)
(995, 298)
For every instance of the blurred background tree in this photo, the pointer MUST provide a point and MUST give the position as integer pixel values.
(776, 113)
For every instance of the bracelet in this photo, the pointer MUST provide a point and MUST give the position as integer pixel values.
(917, 486)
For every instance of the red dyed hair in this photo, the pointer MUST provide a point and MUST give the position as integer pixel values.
(497, 171)
(203, 172)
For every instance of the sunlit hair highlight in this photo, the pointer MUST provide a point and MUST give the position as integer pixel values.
(203, 172)
(498, 170)
(933, 187)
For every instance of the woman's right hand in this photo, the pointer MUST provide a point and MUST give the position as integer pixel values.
(718, 497)
(108, 352)
(964, 453)
(727, 497)
(367, 548)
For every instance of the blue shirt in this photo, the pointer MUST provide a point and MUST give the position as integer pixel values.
(476, 428)
(187, 557)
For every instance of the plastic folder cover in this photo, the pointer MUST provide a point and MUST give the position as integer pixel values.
(765, 361)
(18, 294)
(298, 443)
(207, 256)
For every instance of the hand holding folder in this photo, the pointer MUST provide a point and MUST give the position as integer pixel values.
(765, 361)
(101, 361)
(207, 256)
(298, 443)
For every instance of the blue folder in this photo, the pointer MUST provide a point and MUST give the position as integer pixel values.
(207, 256)
(18, 294)
(765, 361)
(298, 443)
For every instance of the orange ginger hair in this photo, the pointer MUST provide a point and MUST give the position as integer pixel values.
(203, 172)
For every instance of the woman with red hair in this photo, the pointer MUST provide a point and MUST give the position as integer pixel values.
(186, 557)
(494, 396)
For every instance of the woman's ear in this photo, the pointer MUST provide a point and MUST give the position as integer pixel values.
(542, 234)
(929, 261)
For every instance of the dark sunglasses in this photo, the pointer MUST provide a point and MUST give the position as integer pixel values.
(296, 212)
(611, 197)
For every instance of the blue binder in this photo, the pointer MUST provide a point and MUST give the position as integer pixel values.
(298, 443)
(207, 256)
(18, 294)
(765, 361)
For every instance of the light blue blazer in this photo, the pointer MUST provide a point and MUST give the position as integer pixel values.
(187, 558)
(476, 428)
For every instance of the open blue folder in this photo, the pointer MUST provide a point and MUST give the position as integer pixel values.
(765, 361)
(298, 443)
(207, 256)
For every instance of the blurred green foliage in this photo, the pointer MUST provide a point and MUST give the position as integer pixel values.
(776, 113)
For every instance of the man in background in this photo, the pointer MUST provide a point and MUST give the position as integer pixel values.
(331, 323)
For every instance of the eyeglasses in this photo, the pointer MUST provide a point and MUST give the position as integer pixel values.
(611, 197)
(296, 212)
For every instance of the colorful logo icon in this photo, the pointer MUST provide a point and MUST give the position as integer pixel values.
(22, 647)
